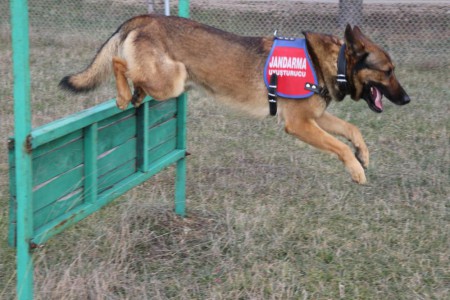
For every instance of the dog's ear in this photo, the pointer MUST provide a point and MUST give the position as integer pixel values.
(357, 31)
(306, 34)
(311, 38)
(354, 40)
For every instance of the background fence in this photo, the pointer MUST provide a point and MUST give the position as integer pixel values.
(410, 29)
(416, 34)
(64, 34)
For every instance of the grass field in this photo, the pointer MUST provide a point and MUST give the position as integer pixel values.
(268, 217)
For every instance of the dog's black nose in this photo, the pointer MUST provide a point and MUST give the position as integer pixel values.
(406, 99)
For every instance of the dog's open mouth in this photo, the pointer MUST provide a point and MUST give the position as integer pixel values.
(373, 97)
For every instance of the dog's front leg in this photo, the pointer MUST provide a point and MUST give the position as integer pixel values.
(337, 126)
(307, 130)
(123, 89)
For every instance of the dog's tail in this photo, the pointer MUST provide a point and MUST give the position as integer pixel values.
(98, 71)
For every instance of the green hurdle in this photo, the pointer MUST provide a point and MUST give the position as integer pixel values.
(84, 161)
(68, 169)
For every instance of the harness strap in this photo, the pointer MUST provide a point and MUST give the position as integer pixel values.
(272, 94)
(317, 89)
(342, 70)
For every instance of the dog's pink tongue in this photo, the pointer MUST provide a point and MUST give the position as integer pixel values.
(376, 96)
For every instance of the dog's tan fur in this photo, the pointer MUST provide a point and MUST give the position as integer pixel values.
(164, 56)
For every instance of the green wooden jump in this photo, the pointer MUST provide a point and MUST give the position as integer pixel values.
(66, 170)
(84, 161)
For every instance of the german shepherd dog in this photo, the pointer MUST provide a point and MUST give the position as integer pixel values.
(165, 56)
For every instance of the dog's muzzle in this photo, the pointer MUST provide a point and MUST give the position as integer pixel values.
(373, 94)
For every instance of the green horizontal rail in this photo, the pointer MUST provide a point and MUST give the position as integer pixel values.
(59, 128)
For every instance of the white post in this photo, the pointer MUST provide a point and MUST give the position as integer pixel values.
(167, 7)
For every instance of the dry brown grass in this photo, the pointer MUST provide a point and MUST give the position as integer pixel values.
(270, 219)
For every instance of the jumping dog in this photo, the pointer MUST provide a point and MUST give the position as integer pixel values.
(165, 56)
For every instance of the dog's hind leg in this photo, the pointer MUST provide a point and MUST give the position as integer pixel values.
(334, 125)
(123, 89)
(164, 80)
(301, 123)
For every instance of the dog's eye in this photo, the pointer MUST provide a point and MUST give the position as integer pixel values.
(388, 73)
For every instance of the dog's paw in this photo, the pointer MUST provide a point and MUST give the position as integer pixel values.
(362, 155)
(121, 104)
(359, 178)
(357, 173)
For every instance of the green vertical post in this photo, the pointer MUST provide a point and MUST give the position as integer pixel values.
(22, 121)
(90, 163)
(180, 181)
(142, 129)
(183, 8)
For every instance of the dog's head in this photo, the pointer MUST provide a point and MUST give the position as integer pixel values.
(370, 72)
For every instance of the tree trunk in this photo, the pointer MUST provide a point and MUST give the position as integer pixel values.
(150, 6)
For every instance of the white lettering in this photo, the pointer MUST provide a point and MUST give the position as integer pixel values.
(285, 62)
(290, 73)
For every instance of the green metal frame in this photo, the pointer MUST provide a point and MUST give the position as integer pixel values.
(63, 171)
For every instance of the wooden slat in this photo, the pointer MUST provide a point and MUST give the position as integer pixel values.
(58, 187)
(58, 208)
(162, 133)
(58, 143)
(162, 111)
(161, 150)
(116, 118)
(116, 134)
(52, 145)
(117, 156)
(109, 179)
(57, 162)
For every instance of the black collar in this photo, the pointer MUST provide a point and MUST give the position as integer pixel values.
(341, 79)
